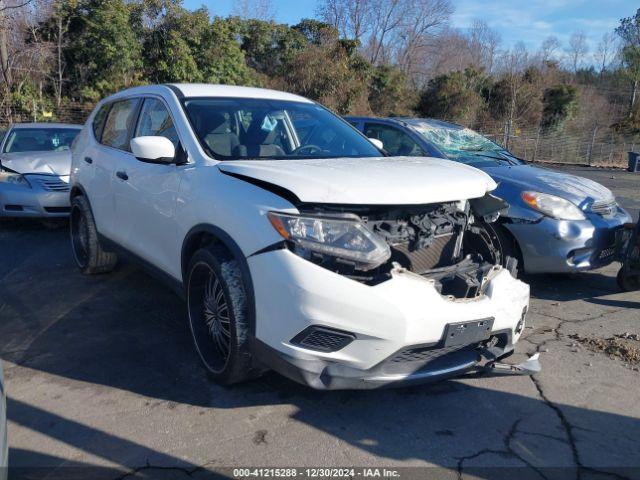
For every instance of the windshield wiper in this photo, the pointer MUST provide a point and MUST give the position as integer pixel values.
(494, 157)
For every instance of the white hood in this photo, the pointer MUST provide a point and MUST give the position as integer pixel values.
(53, 163)
(369, 181)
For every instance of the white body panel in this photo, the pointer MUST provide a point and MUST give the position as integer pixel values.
(406, 310)
(152, 212)
(370, 181)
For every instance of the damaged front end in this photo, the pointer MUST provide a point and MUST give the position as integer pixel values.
(432, 299)
(445, 242)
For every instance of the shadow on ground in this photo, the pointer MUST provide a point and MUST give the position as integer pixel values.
(126, 331)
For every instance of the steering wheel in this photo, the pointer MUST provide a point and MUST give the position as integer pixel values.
(310, 149)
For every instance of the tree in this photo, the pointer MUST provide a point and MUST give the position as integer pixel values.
(548, 48)
(269, 46)
(483, 45)
(388, 18)
(515, 98)
(220, 56)
(389, 92)
(351, 18)
(254, 9)
(328, 70)
(316, 32)
(424, 20)
(577, 49)
(103, 52)
(605, 51)
(629, 32)
(454, 96)
(560, 102)
(169, 36)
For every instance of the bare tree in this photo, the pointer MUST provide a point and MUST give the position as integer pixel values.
(352, 18)
(389, 17)
(577, 49)
(548, 48)
(449, 51)
(605, 51)
(484, 43)
(258, 9)
(424, 21)
(520, 95)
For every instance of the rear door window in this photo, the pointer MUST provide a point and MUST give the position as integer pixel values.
(119, 124)
(396, 142)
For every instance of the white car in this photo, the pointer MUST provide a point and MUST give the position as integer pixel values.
(35, 160)
(298, 246)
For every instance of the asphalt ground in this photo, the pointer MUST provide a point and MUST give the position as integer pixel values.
(103, 382)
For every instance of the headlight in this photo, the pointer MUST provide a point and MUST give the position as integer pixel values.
(347, 239)
(15, 178)
(553, 206)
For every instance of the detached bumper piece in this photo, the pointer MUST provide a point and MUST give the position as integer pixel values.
(529, 367)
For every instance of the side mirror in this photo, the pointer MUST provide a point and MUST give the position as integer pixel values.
(377, 143)
(153, 149)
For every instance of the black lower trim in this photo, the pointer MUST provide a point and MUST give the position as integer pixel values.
(57, 209)
(327, 375)
(173, 283)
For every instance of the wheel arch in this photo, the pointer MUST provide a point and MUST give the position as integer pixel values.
(503, 224)
(207, 234)
(77, 190)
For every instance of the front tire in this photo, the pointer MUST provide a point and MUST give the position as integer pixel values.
(627, 282)
(218, 315)
(494, 243)
(88, 254)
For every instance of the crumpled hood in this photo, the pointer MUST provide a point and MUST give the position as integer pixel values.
(53, 163)
(368, 181)
(581, 191)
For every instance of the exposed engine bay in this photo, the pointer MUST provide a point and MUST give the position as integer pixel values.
(447, 242)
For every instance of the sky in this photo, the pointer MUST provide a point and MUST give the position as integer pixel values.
(529, 21)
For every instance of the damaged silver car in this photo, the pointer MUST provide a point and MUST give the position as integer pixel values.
(35, 162)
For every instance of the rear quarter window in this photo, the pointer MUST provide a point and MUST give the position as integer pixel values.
(98, 121)
(119, 124)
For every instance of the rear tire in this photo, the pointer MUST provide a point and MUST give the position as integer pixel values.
(88, 254)
(218, 315)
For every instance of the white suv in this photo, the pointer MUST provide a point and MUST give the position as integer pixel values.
(296, 243)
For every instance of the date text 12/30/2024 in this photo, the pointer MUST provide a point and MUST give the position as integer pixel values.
(320, 473)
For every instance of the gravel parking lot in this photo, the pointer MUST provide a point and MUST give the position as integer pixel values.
(101, 372)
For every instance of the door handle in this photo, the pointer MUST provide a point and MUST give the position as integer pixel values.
(88, 160)
(122, 176)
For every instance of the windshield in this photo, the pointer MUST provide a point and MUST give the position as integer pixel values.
(40, 139)
(464, 145)
(246, 128)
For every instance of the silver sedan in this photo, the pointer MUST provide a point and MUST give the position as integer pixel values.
(35, 162)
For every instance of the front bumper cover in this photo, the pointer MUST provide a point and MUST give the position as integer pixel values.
(21, 201)
(567, 246)
(404, 312)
